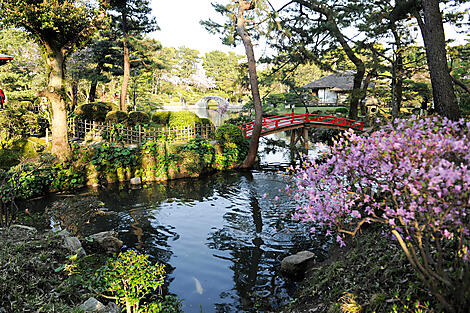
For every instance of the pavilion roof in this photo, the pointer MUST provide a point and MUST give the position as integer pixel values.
(337, 81)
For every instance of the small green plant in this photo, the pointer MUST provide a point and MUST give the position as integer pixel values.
(131, 278)
(349, 303)
(107, 157)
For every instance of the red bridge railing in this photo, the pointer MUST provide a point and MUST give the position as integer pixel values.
(271, 124)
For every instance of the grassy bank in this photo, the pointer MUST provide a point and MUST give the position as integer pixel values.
(370, 274)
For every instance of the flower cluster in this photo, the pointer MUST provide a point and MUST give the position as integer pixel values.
(411, 175)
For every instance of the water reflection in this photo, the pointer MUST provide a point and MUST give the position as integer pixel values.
(221, 240)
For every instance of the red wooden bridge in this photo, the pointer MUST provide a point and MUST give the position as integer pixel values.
(292, 121)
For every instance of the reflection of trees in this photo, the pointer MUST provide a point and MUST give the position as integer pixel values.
(254, 247)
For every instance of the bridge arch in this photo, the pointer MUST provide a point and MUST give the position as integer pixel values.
(299, 124)
(292, 121)
(204, 102)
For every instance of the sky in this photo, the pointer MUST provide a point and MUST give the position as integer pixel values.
(179, 25)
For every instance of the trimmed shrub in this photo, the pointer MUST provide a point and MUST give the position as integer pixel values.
(229, 133)
(206, 121)
(95, 111)
(116, 117)
(136, 118)
(341, 110)
(239, 120)
(183, 118)
(161, 117)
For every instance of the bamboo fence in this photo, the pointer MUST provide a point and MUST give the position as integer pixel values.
(79, 129)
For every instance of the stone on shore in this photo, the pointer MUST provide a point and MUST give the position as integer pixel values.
(296, 265)
(107, 242)
(136, 181)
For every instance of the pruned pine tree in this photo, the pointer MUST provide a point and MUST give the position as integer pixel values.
(132, 19)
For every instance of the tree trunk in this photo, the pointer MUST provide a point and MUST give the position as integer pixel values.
(55, 92)
(92, 95)
(397, 76)
(127, 66)
(434, 40)
(74, 84)
(94, 82)
(253, 77)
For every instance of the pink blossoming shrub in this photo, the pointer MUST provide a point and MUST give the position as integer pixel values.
(412, 176)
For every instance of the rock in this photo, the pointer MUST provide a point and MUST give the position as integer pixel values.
(92, 305)
(295, 265)
(63, 233)
(73, 245)
(107, 241)
(136, 181)
(112, 308)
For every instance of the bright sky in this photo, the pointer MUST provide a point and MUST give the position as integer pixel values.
(179, 24)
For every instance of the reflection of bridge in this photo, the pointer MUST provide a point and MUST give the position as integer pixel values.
(301, 121)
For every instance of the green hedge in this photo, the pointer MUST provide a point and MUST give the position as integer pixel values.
(206, 121)
(183, 118)
(341, 110)
(161, 117)
(229, 133)
(95, 111)
(136, 118)
(116, 117)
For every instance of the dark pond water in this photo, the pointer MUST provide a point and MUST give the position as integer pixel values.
(221, 239)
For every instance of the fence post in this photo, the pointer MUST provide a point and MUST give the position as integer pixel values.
(140, 135)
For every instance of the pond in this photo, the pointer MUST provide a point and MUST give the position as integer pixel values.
(220, 237)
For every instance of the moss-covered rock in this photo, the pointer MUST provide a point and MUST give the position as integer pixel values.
(31, 279)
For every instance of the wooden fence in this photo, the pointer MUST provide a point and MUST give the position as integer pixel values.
(136, 135)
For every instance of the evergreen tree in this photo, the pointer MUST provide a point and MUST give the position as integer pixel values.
(59, 28)
(131, 19)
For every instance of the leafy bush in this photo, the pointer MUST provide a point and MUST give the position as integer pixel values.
(341, 110)
(161, 117)
(116, 117)
(243, 119)
(229, 133)
(183, 118)
(108, 158)
(206, 121)
(95, 111)
(202, 147)
(138, 118)
(16, 124)
(412, 176)
(131, 278)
